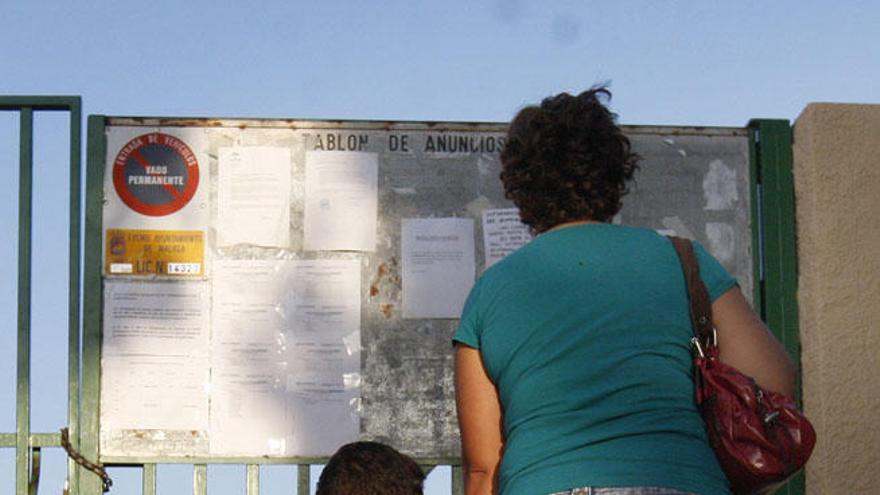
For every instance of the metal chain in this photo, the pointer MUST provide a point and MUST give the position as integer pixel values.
(95, 467)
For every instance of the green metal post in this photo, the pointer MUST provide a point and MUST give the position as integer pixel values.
(457, 480)
(149, 481)
(90, 484)
(777, 241)
(73, 342)
(23, 373)
(303, 476)
(200, 479)
(253, 479)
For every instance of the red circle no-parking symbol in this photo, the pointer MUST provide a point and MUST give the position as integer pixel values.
(156, 174)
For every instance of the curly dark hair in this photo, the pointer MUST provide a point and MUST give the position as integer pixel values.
(370, 468)
(567, 160)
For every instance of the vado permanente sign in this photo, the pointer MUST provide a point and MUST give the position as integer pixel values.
(156, 174)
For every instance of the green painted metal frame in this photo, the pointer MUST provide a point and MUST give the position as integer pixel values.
(775, 241)
(28, 444)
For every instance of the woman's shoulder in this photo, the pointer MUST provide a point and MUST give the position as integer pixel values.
(621, 235)
(638, 232)
(600, 236)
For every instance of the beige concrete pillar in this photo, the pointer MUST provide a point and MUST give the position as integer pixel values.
(837, 191)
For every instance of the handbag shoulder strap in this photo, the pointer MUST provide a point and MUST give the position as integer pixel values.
(698, 296)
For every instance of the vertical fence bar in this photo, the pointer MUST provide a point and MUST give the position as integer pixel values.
(73, 326)
(23, 369)
(149, 482)
(457, 476)
(200, 479)
(253, 479)
(90, 484)
(303, 479)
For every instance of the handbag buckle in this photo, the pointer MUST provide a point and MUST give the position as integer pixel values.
(711, 342)
(698, 347)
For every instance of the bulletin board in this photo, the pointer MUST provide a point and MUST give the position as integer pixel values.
(275, 288)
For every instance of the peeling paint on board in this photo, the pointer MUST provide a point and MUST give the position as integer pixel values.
(719, 187)
(722, 241)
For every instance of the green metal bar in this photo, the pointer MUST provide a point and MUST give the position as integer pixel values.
(73, 298)
(779, 307)
(23, 371)
(457, 480)
(222, 460)
(36, 440)
(45, 440)
(149, 482)
(200, 479)
(303, 479)
(773, 150)
(39, 102)
(90, 484)
(8, 440)
(253, 479)
(129, 460)
(780, 238)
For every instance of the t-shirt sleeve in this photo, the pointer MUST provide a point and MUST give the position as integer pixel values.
(717, 279)
(470, 325)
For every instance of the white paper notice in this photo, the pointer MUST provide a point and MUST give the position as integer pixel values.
(503, 233)
(249, 413)
(324, 397)
(323, 299)
(253, 196)
(155, 356)
(280, 332)
(438, 266)
(341, 203)
(323, 350)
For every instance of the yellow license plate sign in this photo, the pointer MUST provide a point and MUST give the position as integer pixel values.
(177, 253)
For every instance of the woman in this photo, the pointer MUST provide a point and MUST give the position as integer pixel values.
(573, 366)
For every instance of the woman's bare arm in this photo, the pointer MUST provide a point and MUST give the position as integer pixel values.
(479, 418)
(749, 346)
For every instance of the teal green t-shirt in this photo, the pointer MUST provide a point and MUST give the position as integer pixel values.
(585, 332)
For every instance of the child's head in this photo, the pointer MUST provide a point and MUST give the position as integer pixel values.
(370, 468)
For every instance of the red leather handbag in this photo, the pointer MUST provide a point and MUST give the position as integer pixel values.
(760, 437)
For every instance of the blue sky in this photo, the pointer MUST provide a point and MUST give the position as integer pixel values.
(667, 62)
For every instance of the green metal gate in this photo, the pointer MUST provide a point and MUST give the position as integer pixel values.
(28, 444)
